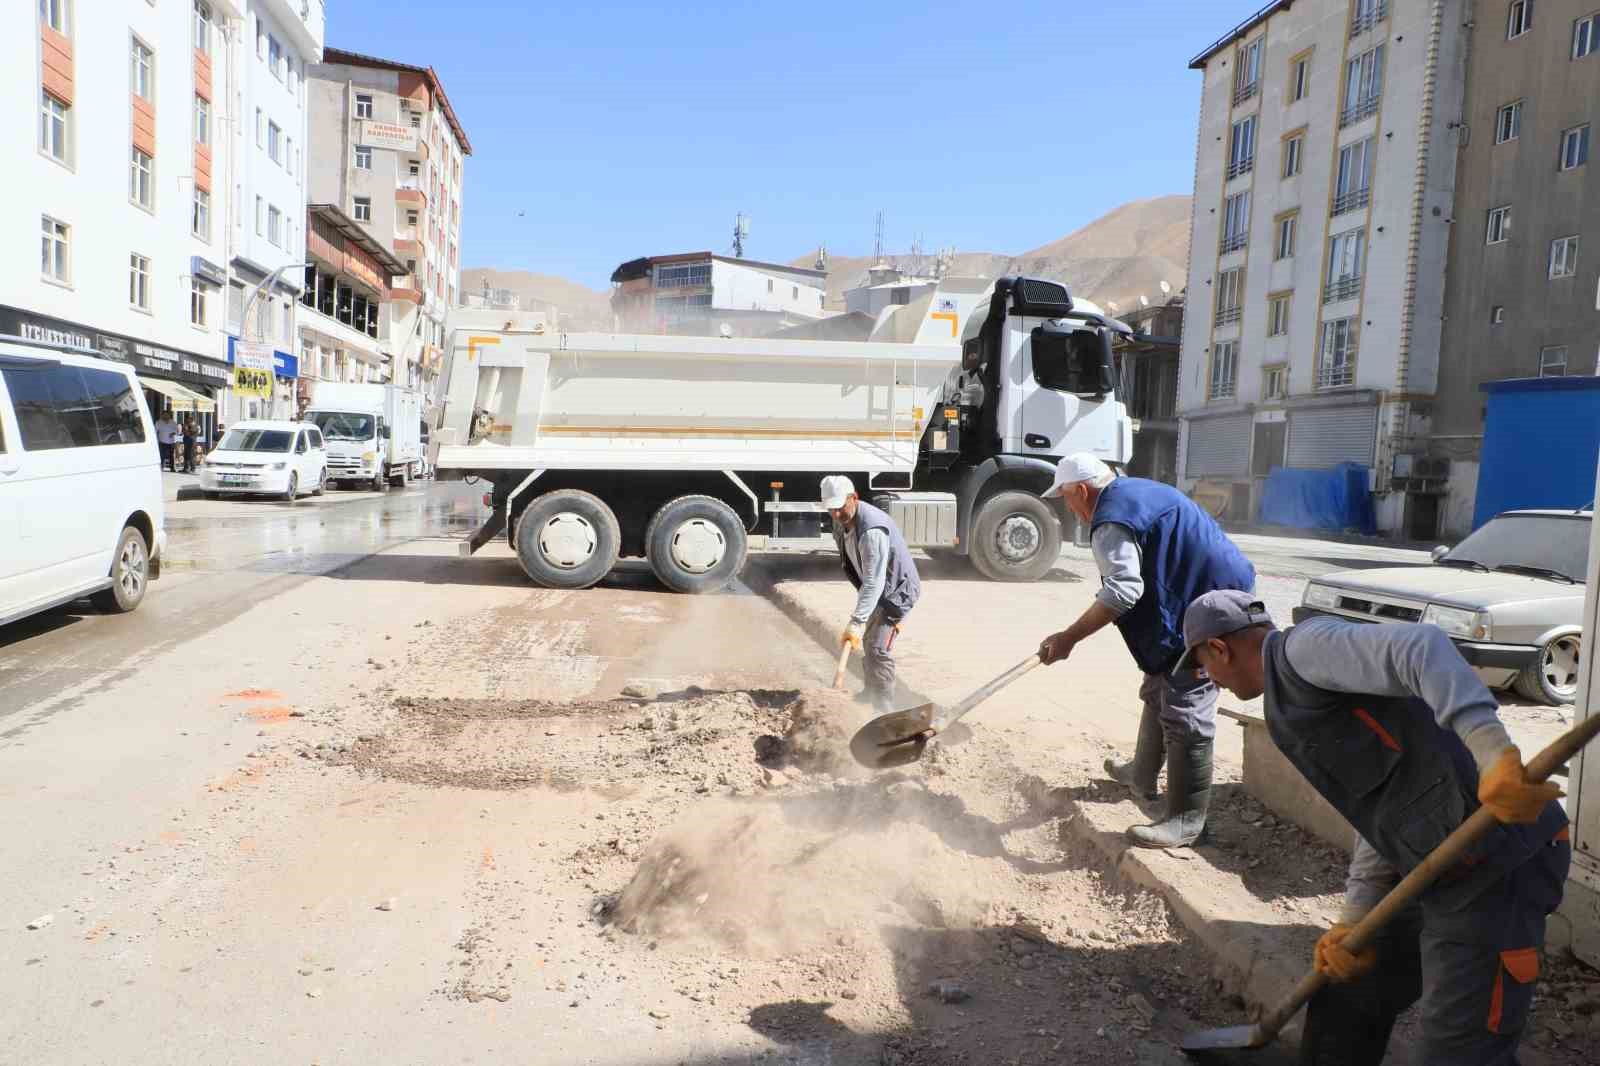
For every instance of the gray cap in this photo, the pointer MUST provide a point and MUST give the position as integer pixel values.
(1217, 614)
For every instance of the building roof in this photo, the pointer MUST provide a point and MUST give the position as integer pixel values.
(351, 231)
(339, 57)
(1199, 61)
(637, 268)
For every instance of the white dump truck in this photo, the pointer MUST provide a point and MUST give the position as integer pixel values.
(950, 416)
(372, 432)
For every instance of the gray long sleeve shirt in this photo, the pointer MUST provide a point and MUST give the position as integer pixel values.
(1403, 661)
(1117, 557)
(871, 562)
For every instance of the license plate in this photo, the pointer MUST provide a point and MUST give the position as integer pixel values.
(234, 479)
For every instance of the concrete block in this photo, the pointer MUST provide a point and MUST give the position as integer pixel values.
(1274, 781)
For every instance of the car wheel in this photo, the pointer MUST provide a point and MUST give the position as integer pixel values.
(1015, 537)
(130, 574)
(293, 490)
(322, 483)
(695, 544)
(1553, 677)
(568, 539)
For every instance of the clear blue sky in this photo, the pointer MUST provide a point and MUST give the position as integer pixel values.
(607, 130)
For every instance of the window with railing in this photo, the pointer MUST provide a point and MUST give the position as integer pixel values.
(1247, 76)
(1230, 291)
(1224, 382)
(1242, 148)
(1353, 187)
(682, 275)
(1235, 223)
(1336, 354)
(1363, 86)
(1347, 254)
(1367, 14)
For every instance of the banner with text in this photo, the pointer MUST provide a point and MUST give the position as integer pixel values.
(252, 370)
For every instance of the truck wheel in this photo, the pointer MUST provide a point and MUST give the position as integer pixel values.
(1016, 537)
(130, 574)
(567, 539)
(379, 482)
(695, 544)
(1553, 677)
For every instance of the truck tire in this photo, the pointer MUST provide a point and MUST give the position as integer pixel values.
(130, 574)
(1016, 537)
(380, 483)
(567, 539)
(695, 544)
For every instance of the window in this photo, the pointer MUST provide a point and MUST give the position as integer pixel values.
(363, 211)
(294, 81)
(1336, 358)
(363, 157)
(769, 284)
(1347, 253)
(411, 218)
(683, 275)
(1519, 19)
(414, 169)
(1575, 147)
(1236, 222)
(416, 120)
(274, 57)
(1278, 315)
(1247, 78)
(75, 407)
(1299, 77)
(200, 224)
(202, 26)
(53, 127)
(363, 105)
(1274, 382)
(275, 226)
(140, 74)
(1499, 225)
(1497, 315)
(1294, 151)
(1508, 123)
(1363, 86)
(1354, 187)
(288, 155)
(197, 303)
(1224, 370)
(1563, 257)
(261, 129)
(274, 142)
(141, 186)
(261, 217)
(1367, 14)
(53, 13)
(261, 39)
(1242, 147)
(1230, 291)
(1284, 249)
(202, 121)
(1585, 35)
(795, 294)
(139, 281)
(1553, 361)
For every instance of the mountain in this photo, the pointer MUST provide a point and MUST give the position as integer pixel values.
(582, 308)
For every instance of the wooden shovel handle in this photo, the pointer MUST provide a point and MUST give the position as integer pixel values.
(844, 660)
(1446, 855)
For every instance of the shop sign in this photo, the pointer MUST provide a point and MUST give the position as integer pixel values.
(142, 356)
(207, 271)
(388, 136)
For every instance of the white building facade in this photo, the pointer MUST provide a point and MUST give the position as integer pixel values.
(1324, 179)
(701, 293)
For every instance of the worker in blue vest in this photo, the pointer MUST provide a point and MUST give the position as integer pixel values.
(879, 565)
(1397, 732)
(1156, 551)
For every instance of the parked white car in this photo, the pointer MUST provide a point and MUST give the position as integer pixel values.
(81, 510)
(283, 459)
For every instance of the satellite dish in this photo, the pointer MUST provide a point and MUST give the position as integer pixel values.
(1166, 290)
(1143, 301)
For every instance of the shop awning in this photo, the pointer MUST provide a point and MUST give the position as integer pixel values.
(179, 398)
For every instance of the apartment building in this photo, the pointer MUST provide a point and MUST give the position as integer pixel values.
(1522, 298)
(116, 186)
(389, 151)
(343, 302)
(1324, 180)
(270, 45)
(698, 293)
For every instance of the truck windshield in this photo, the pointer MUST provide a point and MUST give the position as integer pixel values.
(256, 440)
(343, 425)
(1555, 542)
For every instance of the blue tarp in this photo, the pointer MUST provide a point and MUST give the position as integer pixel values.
(1335, 499)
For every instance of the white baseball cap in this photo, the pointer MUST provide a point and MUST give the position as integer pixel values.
(835, 488)
(1075, 468)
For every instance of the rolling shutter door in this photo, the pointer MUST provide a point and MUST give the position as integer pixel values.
(1218, 447)
(1327, 437)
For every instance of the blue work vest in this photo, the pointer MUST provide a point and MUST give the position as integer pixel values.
(1183, 554)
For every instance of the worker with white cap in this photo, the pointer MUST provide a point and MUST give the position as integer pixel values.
(878, 563)
(1156, 551)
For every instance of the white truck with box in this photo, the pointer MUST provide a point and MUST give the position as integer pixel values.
(681, 449)
(372, 432)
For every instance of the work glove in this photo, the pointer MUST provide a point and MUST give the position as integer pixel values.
(1055, 647)
(852, 635)
(1504, 788)
(1337, 962)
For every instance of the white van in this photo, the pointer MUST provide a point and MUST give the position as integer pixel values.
(81, 510)
(275, 458)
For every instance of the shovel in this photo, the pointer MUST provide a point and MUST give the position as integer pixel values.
(1442, 858)
(899, 737)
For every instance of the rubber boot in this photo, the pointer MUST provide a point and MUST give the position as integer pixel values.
(1139, 775)
(1188, 796)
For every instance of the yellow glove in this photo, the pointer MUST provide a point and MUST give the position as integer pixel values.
(1504, 788)
(852, 635)
(1336, 961)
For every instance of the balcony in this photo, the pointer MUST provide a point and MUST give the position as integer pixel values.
(1246, 92)
(406, 289)
(1354, 200)
(1357, 111)
(407, 249)
(1342, 289)
(411, 197)
(1227, 316)
(1232, 242)
(1337, 374)
(1241, 167)
(1223, 388)
(1365, 20)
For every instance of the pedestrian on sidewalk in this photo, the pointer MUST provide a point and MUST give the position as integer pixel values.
(1397, 732)
(1156, 550)
(191, 432)
(879, 565)
(166, 439)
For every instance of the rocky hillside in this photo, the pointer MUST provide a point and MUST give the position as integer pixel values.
(584, 307)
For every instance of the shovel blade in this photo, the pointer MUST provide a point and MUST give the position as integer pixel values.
(1232, 1037)
(893, 739)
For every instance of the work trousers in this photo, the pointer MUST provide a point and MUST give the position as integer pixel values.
(188, 455)
(167, 462)
(879, 669)
(1185, 703)
(1474, 971)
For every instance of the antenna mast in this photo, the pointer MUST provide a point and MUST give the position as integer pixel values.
(877, 247)
(741, 233)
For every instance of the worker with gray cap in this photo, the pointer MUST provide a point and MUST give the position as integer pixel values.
(1397, 732)
(878, 563)
(1156, 551)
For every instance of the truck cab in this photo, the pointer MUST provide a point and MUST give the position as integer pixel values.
(354, 439)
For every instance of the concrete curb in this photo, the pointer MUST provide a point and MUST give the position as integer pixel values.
(1246, 965)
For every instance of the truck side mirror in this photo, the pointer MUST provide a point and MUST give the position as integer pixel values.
(1093, 365)
(383, 430)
